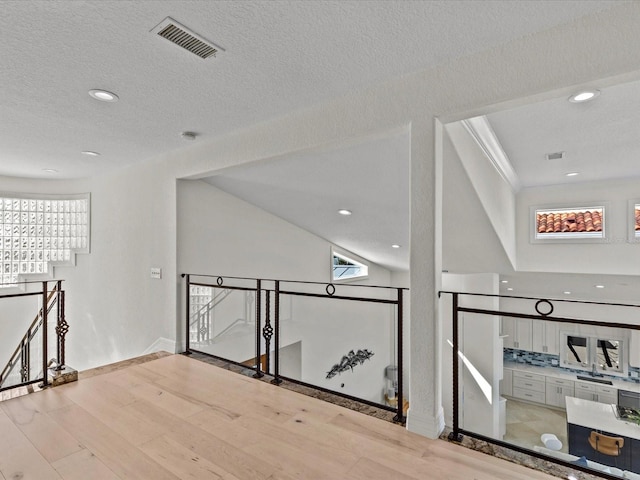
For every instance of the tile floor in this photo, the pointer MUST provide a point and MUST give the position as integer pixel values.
(527, 422)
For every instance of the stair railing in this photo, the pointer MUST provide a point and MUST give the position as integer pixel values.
(202, 320)
(22, 353)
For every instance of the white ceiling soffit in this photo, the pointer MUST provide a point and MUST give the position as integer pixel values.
(599, 139)
(279, 56)
(370, 178)
(481, 131)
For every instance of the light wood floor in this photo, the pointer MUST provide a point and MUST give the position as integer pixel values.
(176, 417)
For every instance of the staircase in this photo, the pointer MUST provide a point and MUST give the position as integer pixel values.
(201, 325)
(19, 372)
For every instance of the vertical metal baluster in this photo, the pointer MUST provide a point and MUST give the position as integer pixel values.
(258, 373)
(455, 434)
(188, 307)
(45, 373)
(276, 380)
(267, 332)
(61, 329)
(400, 415)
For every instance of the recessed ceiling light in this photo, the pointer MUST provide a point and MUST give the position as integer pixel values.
(567, 293)
(395, 245)
(103, 95)
(571, 174)
(510, 289)
(50, 170)
(584, 96)
(599, 286)
(504, 281)
(344, 212)
(90, 153)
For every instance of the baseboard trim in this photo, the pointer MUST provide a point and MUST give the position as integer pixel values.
(161, 345)
(427, 426)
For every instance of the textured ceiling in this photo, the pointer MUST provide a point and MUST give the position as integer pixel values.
(279, 56)
(599, 137)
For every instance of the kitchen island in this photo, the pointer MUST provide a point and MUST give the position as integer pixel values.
(584, 416)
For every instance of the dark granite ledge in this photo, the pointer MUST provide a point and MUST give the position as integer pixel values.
(304, 390)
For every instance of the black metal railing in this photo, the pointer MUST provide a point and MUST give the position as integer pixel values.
(21, 358)
(537, 310)
(284, 308)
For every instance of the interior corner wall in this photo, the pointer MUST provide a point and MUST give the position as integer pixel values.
(615, 256)
(493, 192)
(470, 241)
(114, 309)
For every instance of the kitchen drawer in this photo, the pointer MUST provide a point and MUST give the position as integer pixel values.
(528, 376)
(526, 384)
(585, 387)
(607, 389)
(561, 382)
(538, 397)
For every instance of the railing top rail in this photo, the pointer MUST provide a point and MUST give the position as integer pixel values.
(563, 300)
(292, 281)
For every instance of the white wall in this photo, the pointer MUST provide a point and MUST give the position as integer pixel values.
(494, 193)
(479, 342)
(615, 256)
(472, 243)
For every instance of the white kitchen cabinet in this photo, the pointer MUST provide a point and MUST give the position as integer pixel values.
(506, 384)
(634, 348)
(556, 391)
(529, 386)
(518, 333)
(596, 393)
(545, 337)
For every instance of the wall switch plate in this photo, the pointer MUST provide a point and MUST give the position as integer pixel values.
(156, 272)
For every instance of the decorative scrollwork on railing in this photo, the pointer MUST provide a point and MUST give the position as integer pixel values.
(548, 304)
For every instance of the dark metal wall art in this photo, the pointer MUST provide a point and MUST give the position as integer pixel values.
(349, 361)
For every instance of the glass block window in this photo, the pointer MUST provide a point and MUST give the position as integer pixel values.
(200, 296)
(559, 223)
(35, 232)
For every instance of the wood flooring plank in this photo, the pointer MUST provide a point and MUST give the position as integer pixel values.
(211, 446)
(83, 465)
(183, 462)
(52, 441)
(367, 469)
(50, 399)
(330, 455)
(164, 399)
(19, 459)
(114, 450)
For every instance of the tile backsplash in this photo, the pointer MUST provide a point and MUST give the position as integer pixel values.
(553, 361)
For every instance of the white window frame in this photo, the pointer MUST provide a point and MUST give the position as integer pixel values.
(350, 257)
(634, 235)
(568, 237)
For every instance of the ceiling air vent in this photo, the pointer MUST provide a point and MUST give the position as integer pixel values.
(185, 38)
(555, 156)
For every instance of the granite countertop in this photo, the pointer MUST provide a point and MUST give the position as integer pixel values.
(599, 416)
(558, 372)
